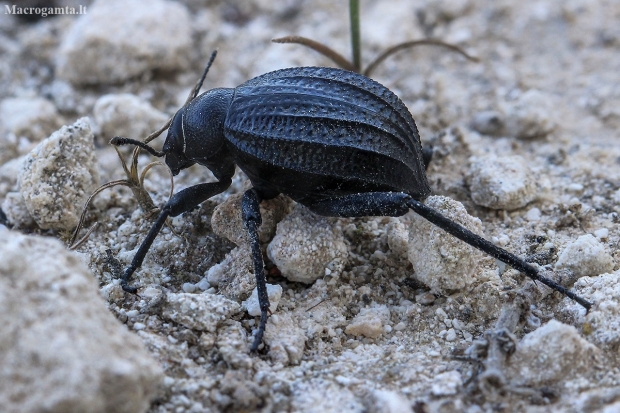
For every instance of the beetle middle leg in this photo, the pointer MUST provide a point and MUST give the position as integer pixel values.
(181, 202)
(250, 209)
(398, 203)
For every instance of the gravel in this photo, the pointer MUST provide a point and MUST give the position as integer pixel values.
(526, 149)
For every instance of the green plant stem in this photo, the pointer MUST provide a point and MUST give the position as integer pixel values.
(354, 14)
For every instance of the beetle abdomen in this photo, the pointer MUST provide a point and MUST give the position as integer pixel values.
(328, 122)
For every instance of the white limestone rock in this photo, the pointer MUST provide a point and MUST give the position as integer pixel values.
(117, 40)
(502, 182)
(551, 353)
(59, 175)
(305, 245)
(127, 115)
(202, 312)
(585, 256)
(441, 261)
(62, 349)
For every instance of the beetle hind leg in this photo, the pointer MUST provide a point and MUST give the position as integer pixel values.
(391, 204)
(398, 203)
(491, 249)
(427, 156)
(252, 220)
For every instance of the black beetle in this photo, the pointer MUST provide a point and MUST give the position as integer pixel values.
(334, 141)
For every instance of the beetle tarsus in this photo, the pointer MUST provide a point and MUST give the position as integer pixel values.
(125, 280)
(258, 339)
(130, 289)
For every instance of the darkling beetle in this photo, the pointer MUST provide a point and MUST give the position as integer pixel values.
(334, 141)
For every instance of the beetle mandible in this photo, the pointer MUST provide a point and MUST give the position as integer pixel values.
(334, 141)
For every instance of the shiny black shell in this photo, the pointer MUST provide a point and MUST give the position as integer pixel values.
(317, 133)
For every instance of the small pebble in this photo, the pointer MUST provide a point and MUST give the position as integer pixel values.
(553, 352)
(488, 122)
(451, 335)
(150, 292)
(203, 284)
(305, 245)
(602, 233)
(274, 292)
(132, 313)
(575, 188)
(531, 115)
(202, 312)
(33, 118)
(16, 211)
(387, 401)
(105, 46)
(501, 182)
(446, 384)
(533, 215)
(441, 313)
(400, 326)
(585, 256)
(286, 340)
(602, 323)
(458, 324)
(397, 238)
(369, 322)
(127, 115)
(139, 326)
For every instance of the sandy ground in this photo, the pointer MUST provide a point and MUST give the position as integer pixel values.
(526, 139)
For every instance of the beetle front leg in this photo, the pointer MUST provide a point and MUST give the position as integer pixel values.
(252, 220)
(181, 202)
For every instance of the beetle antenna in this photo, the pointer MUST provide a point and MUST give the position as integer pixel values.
(482, 244)
(204, 75)
(119, 141)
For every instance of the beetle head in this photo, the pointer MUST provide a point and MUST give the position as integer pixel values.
(174, 147)
(197, 134)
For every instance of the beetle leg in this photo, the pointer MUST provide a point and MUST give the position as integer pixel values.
(488, 247)
(427, 155)
(181, 202)
(391, 204)
(398, 203)
(251, 219)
